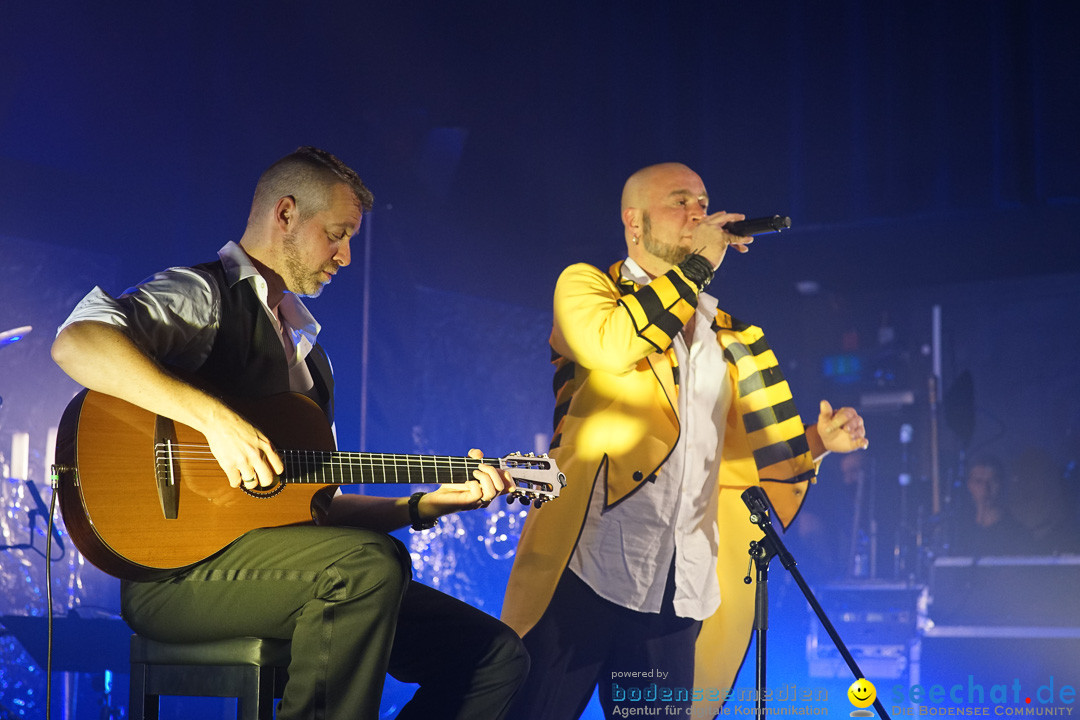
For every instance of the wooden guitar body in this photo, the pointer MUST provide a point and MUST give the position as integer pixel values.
(112, 506)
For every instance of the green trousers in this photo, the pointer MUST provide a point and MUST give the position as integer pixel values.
(345, 599)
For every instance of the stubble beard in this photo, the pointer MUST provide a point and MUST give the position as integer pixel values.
(300, 280)
(671, 254)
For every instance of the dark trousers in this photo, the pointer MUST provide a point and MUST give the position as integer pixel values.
(345, 599)
(584, 641)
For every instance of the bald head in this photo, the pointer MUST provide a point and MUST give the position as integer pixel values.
(661, 206)
(641, 187)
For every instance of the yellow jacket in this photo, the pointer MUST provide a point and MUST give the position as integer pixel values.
(615, 384)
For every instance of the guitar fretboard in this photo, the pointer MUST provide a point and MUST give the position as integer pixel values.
(326, 467)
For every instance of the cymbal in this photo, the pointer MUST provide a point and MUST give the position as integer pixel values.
(14, 335)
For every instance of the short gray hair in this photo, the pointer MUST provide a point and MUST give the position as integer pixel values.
(307, 175)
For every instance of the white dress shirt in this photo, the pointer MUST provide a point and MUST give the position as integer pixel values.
(625, 553)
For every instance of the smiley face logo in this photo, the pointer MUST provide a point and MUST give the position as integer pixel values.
(862, 693)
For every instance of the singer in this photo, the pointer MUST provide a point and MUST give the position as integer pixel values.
(666, 409)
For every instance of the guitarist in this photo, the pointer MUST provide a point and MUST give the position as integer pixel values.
(340, 589)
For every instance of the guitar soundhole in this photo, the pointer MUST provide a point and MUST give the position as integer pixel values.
(262, 493)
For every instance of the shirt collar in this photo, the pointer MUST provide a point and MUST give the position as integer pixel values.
(238, 265)
(633, 272)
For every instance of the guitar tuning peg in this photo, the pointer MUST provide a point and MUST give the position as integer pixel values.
(537, 502)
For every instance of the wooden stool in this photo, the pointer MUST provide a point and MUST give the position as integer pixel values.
(253, 670)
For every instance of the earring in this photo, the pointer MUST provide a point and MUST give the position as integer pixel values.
(635, 239)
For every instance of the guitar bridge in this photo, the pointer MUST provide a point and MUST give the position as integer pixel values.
(166, 467)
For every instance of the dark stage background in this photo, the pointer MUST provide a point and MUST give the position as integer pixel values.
(926, 152)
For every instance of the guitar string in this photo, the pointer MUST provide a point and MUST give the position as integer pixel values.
(314, 465)
(199, 451)
(202, 451)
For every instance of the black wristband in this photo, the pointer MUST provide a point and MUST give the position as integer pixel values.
(414, 514)
(697, 270)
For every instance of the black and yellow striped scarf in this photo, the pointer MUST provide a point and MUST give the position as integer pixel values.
(763, 398)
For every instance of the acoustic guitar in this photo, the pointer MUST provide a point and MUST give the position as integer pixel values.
(143, 497)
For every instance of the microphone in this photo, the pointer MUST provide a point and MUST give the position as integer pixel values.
(759, 226)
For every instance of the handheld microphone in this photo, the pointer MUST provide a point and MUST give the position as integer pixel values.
(759, 226)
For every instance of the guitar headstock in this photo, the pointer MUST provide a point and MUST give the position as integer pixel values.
(537, 477)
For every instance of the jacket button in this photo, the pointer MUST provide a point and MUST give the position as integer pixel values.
(638, 476)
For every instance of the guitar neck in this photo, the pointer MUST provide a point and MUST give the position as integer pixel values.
(348, 468)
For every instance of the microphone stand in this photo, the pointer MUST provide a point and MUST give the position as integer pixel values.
(41, 510)
(762, 552)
